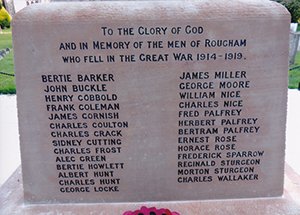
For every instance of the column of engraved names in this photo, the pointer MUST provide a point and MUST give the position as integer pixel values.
(101, 108)
(210, 124)
(67, 133)
(237, 163)
(71, 124)
(195, 156)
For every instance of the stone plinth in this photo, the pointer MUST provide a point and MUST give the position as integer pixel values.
(12, 202)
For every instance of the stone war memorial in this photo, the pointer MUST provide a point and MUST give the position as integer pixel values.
(152, 101)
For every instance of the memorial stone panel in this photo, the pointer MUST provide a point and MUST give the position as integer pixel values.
(151, 101)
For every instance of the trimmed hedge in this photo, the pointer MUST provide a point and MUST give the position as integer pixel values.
(5, 18)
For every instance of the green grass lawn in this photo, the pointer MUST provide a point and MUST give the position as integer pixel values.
(7, 83)
(294, 75)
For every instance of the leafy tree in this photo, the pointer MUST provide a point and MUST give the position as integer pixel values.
(293, 7)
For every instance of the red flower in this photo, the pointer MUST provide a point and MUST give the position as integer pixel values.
(151, 211)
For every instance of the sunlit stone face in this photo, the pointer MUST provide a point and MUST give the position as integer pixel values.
(151, 101)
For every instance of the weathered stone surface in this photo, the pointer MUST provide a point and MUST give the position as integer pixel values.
(151, 101)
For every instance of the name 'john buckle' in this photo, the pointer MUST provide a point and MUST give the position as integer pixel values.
(89, 88)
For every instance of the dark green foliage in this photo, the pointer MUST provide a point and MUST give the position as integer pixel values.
(293, 7)
(4, 24)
